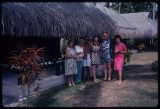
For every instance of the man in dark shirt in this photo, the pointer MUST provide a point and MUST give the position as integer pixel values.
(106, 55)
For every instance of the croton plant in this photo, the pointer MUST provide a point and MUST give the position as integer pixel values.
(28, 62)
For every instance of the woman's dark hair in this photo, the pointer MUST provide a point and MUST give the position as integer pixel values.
(95, 37)
(86, 41)
(98, 39)
(70, 41)
(78, 41)
(118, 36)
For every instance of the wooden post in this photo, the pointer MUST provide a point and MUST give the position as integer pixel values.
(119, 7)
(153, 10)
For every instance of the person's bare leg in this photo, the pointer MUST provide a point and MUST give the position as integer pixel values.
(120, 76)
(69, 80)
(109, 70)
(105, 71)
(72, 80)
(94, 73)
(84, 74)
(88, 73)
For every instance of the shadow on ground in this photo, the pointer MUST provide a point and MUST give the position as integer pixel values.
(48, 99)
(88, 96)
(140, 88)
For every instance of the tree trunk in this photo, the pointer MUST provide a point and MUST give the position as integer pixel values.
(153, 10)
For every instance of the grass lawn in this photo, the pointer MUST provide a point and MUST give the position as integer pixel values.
(139, 89)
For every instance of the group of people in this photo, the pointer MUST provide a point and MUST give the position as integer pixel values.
(81, 56)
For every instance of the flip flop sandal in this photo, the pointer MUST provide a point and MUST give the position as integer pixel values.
(109, 79)
(95, 81)
(104, 79)
(73, 84)
(117, 81)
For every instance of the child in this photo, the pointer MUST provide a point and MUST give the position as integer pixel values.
(86, 61)
(120, 50)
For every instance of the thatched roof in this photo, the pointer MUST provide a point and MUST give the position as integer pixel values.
(131, 25)
(53, 20)
(150, 28)
(115, 16)
(123, 27)
(147, 27)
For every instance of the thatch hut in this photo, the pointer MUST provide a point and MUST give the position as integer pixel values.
(123, 26)
(146, 26)
(131, 25)
(43, 24)
(37, 21)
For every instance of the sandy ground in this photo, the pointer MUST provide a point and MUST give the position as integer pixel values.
(139, 88)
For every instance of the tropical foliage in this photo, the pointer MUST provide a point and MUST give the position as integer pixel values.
(28, 62)
(131, 7)
(127, 57)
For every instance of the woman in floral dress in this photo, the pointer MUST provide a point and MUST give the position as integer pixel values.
(70, 63)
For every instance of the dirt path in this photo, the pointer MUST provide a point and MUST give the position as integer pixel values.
(139, 89)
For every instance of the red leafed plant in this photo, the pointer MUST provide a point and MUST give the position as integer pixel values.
(28, 62)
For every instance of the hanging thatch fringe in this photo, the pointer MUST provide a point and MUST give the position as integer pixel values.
(54, 20)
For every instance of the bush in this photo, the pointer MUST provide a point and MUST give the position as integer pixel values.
(28, 62)
(127, 56)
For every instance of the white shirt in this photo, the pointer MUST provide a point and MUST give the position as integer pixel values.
(79, 49)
